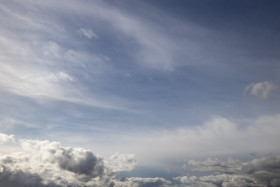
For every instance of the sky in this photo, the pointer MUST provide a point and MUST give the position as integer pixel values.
(139, 93)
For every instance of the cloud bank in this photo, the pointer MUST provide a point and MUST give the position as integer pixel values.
(258, 172)
(45, 163)
(218, 136)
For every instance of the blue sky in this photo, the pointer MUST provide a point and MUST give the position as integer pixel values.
(162, 85)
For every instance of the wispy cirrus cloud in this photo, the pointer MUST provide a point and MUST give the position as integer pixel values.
(88, 33)
(156, 47)
(40, 68)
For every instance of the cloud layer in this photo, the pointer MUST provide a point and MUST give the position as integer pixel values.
(218, 136)
(258, 172)
(44, 163)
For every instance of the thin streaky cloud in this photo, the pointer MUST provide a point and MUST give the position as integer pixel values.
(88, 33)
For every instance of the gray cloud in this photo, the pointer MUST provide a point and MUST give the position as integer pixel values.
(143, 182)
(19, 178)
(81, 162)
(264, 90)
(258, 172)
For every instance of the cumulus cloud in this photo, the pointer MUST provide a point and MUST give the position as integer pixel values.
(264, 90)
(122, 162)
(258, 172)
(6, 139)
(45, 163)
(48, 163)
(19, 178)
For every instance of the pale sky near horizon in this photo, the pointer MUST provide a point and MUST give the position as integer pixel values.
(186, 91)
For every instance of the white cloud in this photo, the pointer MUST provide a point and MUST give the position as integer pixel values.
(216, 137)
(263, 90)
(40, 76)
(50, 164)
(156, 48)
(122, 162)
(6, 138)
(29, 82)
(88, 33)
(45, 163)
(35, 62)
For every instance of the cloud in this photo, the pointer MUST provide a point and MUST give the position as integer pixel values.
(19, 178)
(157, 47)
(45, 163)
(49, 164)
(37, 63)
(6, 139)
(264, 90)
(258, 172)
(88, 33)
(188, 181)
(42, 76)
(143, 182)
(31, 83)
(218, 136)
(122, 162)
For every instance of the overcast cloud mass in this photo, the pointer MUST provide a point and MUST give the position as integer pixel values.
(139, 93)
